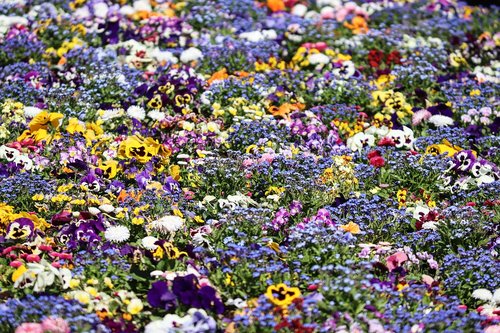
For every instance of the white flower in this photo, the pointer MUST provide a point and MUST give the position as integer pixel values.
(156, 115)
(142, 5)
(378, 131)
(169, 223)
(402, 138)
(31, 111)
(24, 161)
(359, 140)
(432, 225)
(440, 120)
(482, 294)
(94, 211)
(496, 296)
(136, 112)
(148, 243)
(10, 154)
(420, 211)
(191, 54)
(110, 114)
(346, 70)
(106, 208)
(252, 36)
(318, 58)
(299, 10)
(118, 233)
(163, 56)
(100, 9)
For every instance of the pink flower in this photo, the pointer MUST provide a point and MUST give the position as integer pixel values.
(248, 162)
(492, 329)
(29, 328)
(266, 157)
(55, 325)
(420, 116)
(16, 264)
(396, 260)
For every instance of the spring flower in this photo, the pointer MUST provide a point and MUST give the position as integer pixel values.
(420, 116)
(282, 295)
(360, 140)
(43, 119)
(439, 120)
(377, 161)
(351, 227)
(30, 328)
(55, 325)
(276, 5)
(396, 260)
(191, 54)
(136, 112)
(139, 148)
(117, 234)
(169, 223)
(31, 111)
(135, 306)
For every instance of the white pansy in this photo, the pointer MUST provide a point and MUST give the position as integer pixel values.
(24, 161)
(360, 140)
(10, 154)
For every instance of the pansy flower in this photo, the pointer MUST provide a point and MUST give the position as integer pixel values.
(282, 295)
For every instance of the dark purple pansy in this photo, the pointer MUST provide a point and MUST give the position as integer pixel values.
(160, 297)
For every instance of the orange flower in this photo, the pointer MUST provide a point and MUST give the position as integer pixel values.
(358, 25)
(219, 75)
(351, 227)
(285, 109)
(276, 5)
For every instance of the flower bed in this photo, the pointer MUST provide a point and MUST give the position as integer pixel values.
(249, 166)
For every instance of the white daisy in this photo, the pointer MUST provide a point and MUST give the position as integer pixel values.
(31, 111)
(148, 243)
(440, 120)
(169, 223)
(117, 233)
(156, 115)
(136, 112)
(482, 294)
(191, 54)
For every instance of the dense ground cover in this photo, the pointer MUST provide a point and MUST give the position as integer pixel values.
(249, 166)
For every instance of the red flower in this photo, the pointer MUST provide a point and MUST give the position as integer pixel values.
(393, 58)
(372, 154)
(375, 58)
(377, 161)
(386, 142)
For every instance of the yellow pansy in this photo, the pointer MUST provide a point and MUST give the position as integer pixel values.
(18, 273)
(75, 126)
(282, 295)
(44, 119)
(135, 306)
(139, 148)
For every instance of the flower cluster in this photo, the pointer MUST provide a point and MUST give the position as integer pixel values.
(249, 166)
